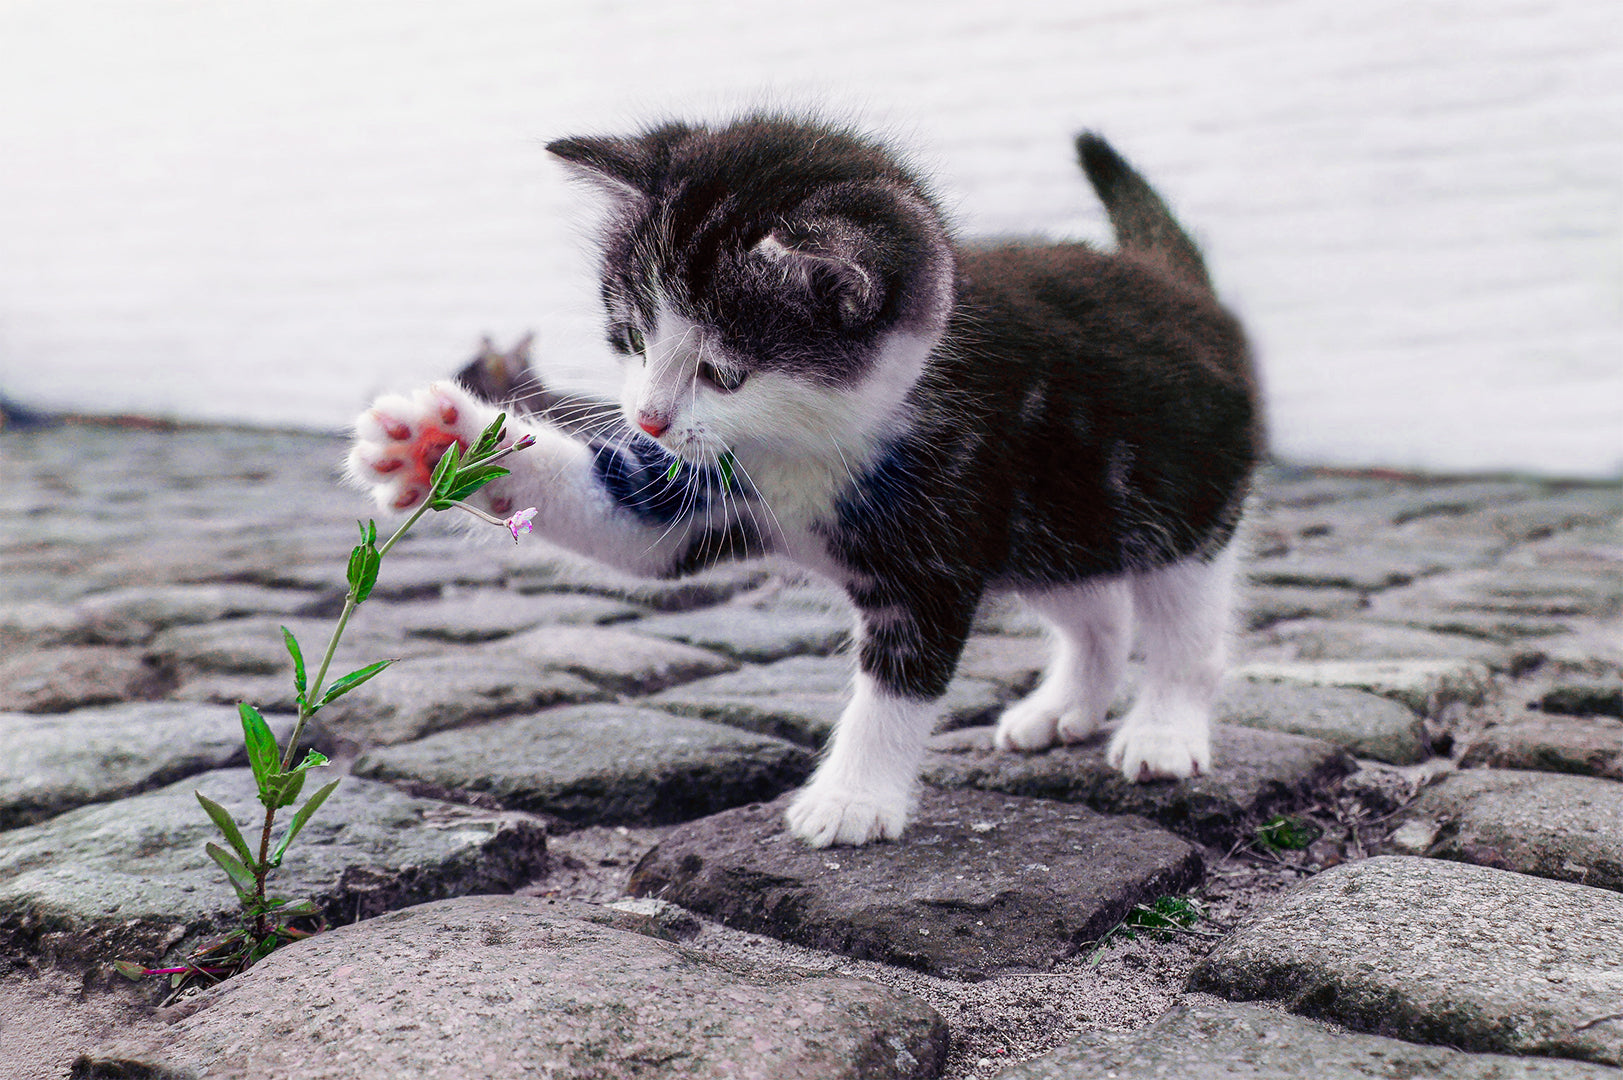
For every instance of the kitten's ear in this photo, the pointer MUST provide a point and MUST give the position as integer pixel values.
(620, 166)
(825, 258)
(628, 168)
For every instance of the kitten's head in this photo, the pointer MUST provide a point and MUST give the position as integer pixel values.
(772, 282)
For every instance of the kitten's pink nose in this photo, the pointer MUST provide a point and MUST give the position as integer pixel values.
(653, 423)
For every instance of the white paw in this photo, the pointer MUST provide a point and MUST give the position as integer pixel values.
(823, 814)
(1035, 723)
(400, 439)
(1150, 750)
(1028, 724)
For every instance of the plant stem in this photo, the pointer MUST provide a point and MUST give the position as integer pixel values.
(262, 870)
(314, 694)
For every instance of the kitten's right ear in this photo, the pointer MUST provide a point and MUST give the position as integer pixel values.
(619, 166)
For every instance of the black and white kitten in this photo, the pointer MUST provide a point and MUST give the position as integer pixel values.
(846, 386)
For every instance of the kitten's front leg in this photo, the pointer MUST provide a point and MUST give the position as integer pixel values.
(864, 790)
(583, 494)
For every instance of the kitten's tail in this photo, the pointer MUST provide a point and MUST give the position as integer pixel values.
(1142, 222)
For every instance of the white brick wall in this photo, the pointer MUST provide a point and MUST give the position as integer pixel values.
(267, 211)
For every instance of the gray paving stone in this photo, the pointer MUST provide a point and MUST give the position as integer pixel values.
(1014, 663)
(1255, 774)
(1367, 725)
(61, 761)
(1264, 605)
(1552, 511)
(1439, 952)
(254, 646)
(130, 879)
(1514, 590)
(38, 624)
(600, 764)
(979, 883)
(1595, 697)
(1220, 1039)
(746, 633)
(270, 693)
(800, 699)
(132, 616)
(73, 677)
(619, 660)
(508, 986)
(1339, 570)
(1348, 640)
(1548, 824)
(1588, 746)
(562, 572)
(423, 695)
(489, 614)
(1426, 686)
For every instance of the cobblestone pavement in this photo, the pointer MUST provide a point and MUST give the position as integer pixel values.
(558, 851)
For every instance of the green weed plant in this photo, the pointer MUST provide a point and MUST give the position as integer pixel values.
(268, 922)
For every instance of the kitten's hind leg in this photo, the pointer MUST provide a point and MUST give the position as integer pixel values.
(1091, 629)
(1185, 616)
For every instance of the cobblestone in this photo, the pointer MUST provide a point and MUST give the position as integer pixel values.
(1405, 622)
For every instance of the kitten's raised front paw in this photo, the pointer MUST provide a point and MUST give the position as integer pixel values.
(823, 815)
(400, 439)
(1151, 750)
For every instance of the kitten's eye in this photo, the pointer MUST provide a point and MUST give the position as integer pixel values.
(724, 379)
(632, 342)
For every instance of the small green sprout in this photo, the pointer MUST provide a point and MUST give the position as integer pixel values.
(1165, 915)
(1281, 833)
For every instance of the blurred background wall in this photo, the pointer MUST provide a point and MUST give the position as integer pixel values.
(267, 212)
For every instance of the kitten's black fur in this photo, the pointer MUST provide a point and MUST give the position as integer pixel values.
(1083, 413)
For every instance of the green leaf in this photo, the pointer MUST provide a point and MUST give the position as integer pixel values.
(725, 464)
(371, 533)
(676, 467)
(233, 835)
(241, 878)
(298, 661)
(450, 461)
(488, 439)
(352, 680)
(496, 472)
(293, 909)
(131, 971)
(262, 949)
(282, 789)
(301, 816)
(371, 560)
(357, 560)
(263, 757)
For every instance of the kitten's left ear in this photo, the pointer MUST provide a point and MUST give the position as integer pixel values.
(826, 258)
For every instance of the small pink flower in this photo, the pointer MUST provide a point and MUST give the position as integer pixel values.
(519, 522)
